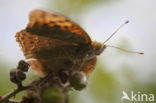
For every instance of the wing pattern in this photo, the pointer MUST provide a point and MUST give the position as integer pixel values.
(55, 26)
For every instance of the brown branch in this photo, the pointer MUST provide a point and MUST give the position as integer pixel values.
(11, 94)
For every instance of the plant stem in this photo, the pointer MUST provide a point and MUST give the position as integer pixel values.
(11, 94)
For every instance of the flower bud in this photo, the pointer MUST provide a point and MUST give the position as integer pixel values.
(78, 80)
(16, 76)
(23, 66)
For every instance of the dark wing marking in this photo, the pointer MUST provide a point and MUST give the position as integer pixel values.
(57, 27)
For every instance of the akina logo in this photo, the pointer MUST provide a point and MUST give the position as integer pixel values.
(137, 97)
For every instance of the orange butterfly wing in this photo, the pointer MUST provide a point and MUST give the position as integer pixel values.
(55, 26)
(90, 66)
(40, 47)
(48, 38)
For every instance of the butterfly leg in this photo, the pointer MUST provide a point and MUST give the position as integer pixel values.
(83, 63)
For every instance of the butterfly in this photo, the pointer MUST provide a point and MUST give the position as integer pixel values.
(53, 43)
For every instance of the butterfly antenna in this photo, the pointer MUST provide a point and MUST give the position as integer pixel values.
(141, 53)
(116, 31)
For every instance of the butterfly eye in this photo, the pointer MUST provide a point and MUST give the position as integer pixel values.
(98, 48)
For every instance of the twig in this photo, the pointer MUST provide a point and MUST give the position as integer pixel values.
(11, 94)
(13, 101)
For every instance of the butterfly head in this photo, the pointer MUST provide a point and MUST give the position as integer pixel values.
(98, 47)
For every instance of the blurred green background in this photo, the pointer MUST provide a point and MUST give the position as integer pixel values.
(116, 71)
